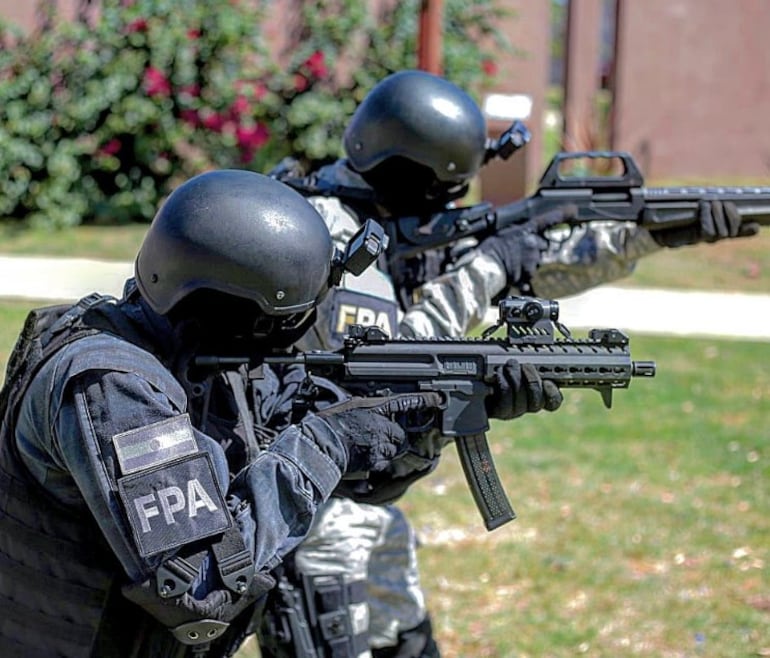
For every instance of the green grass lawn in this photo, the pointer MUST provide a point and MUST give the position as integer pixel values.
(118, 243)
(741, 265)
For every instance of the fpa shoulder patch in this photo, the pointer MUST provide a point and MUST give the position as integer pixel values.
(351, 307)
(154, 444)
(174, 504)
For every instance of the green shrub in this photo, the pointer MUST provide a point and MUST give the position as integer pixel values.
(105, 114)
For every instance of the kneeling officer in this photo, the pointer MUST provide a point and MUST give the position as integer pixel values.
(136, 516)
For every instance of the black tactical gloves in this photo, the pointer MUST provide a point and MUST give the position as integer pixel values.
(367, 429)
(517, 251)
(519, 389)
(518, 248)
(717, 220)
(384, 487)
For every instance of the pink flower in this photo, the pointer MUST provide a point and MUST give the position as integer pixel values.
(137, 25)
(111, 148)
(190, 117)
(316, 65)
(240, 106)
(489, 66)
(155, 82)
(193, 34)
(300, 82)
(213, 121)
(252, 137)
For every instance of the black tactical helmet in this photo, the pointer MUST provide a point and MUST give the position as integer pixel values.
(239, 233)
(422, 118)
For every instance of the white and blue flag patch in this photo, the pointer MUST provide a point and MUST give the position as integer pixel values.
(154, 444)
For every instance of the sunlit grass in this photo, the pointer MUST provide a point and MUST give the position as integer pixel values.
(741, 265)
(642, 530)
(118, 243)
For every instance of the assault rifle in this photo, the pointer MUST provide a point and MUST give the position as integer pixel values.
(461, 370)
(621, 197)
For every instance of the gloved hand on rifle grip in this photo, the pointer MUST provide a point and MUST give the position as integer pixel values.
(519, 248)
(369, 428)
(717, 220)
(519, 389)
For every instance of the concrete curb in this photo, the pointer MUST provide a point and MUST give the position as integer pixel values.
(635, 310)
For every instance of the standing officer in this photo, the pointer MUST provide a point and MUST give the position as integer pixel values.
(412, 147)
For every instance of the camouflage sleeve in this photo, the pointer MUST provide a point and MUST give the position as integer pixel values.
(341, 223)
(577, 259)
(455, 302)
(589, 255)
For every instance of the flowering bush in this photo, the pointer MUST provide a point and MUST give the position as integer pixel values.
(107, 113)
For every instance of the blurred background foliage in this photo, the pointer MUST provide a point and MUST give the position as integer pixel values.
(104, 115)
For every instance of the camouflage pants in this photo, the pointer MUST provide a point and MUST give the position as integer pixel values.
(374, 544)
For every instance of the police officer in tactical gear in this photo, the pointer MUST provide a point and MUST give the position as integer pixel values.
(412, 147)
(143, 502)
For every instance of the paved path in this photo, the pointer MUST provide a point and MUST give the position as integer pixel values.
(687, 313)
(60, 278)
(635, 310)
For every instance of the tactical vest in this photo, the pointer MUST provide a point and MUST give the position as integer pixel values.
(59, 595)
(51, 559)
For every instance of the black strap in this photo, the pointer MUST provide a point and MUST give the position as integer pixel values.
(329, 598)
(236, 566)
(234, 561)
(175, 576)
(238, 386)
